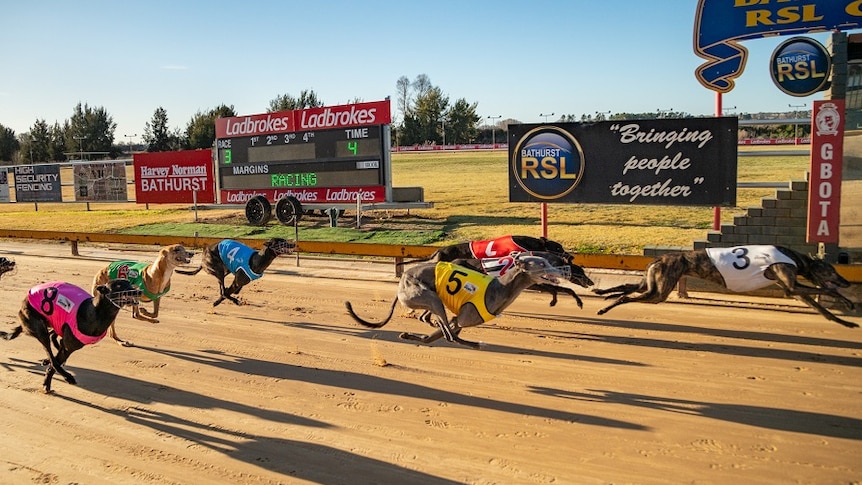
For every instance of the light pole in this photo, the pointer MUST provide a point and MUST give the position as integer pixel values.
(796, 122)
(81, 145)
(443, 127)
(30, 142)
(130, 142)
(494, 128)
(546, 116)
(602, 115)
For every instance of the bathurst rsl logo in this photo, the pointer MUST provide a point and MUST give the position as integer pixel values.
(548, 163)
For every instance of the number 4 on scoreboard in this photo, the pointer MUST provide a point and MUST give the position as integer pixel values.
(353, 146)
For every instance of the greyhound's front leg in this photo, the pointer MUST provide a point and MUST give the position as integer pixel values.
(826, 313)
(139, 313)
(113, 333)
(152, 316)
(221, 292)
(458, 339)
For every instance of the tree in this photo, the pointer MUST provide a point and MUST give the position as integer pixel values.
(91, 129)
(200, 131)
(8, 143)
(57, 142)
(285, 102)
(156, 132)
(35, 144)
(402, 96)
(431, 110)
(462, 122)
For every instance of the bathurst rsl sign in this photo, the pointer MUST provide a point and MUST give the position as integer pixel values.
(688, 161)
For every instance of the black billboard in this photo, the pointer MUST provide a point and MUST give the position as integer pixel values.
(685, 162)
(38, 183)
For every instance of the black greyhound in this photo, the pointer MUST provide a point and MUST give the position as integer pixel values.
(70, 318)
(244, 263)
(774, 264)
(492, 248)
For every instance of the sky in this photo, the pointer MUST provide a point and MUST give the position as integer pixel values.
(517, 60)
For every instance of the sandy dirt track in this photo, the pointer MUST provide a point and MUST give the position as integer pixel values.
(288, 389)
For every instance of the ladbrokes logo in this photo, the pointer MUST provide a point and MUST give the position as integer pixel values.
(330, 118)
(249, 125)
(548, 163)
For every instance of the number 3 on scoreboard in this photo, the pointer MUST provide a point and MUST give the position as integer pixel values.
(227, 156)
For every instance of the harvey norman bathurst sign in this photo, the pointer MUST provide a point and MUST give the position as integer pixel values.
(685, 162)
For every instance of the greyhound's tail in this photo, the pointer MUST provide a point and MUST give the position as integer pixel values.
(190, 272)
(367, 323)
(10, 335)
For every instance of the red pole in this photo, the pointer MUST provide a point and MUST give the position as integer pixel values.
(716, 211)
(544, 219)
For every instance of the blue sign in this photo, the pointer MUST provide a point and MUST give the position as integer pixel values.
(720, 24)
(800, 66)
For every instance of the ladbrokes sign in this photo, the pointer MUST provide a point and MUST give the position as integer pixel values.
(361, 114)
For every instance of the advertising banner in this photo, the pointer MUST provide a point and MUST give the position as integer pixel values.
(719, 26)
(38, 183)
(4, 185)
(100, 181)
(174, 177)
(684, 162)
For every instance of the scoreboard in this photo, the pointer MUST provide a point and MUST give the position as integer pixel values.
(329, 155)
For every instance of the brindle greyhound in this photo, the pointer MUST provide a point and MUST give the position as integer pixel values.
(70, 318)
(499, 266)
(475, 298)
(6, 265)
(244, 263)
(771, 264)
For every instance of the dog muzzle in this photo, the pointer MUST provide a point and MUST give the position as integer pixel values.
(286, 247)
(123, 298)
(554, 273)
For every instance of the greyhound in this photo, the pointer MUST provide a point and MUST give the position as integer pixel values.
(739, 269)
(499, 266)
(499, 248)
(153, 279)
(6, 266)
(492, 248)
(70, 318)
(244, 263)
(474, 297)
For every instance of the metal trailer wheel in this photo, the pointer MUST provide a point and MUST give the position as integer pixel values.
(258, 211)
(288, 210)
